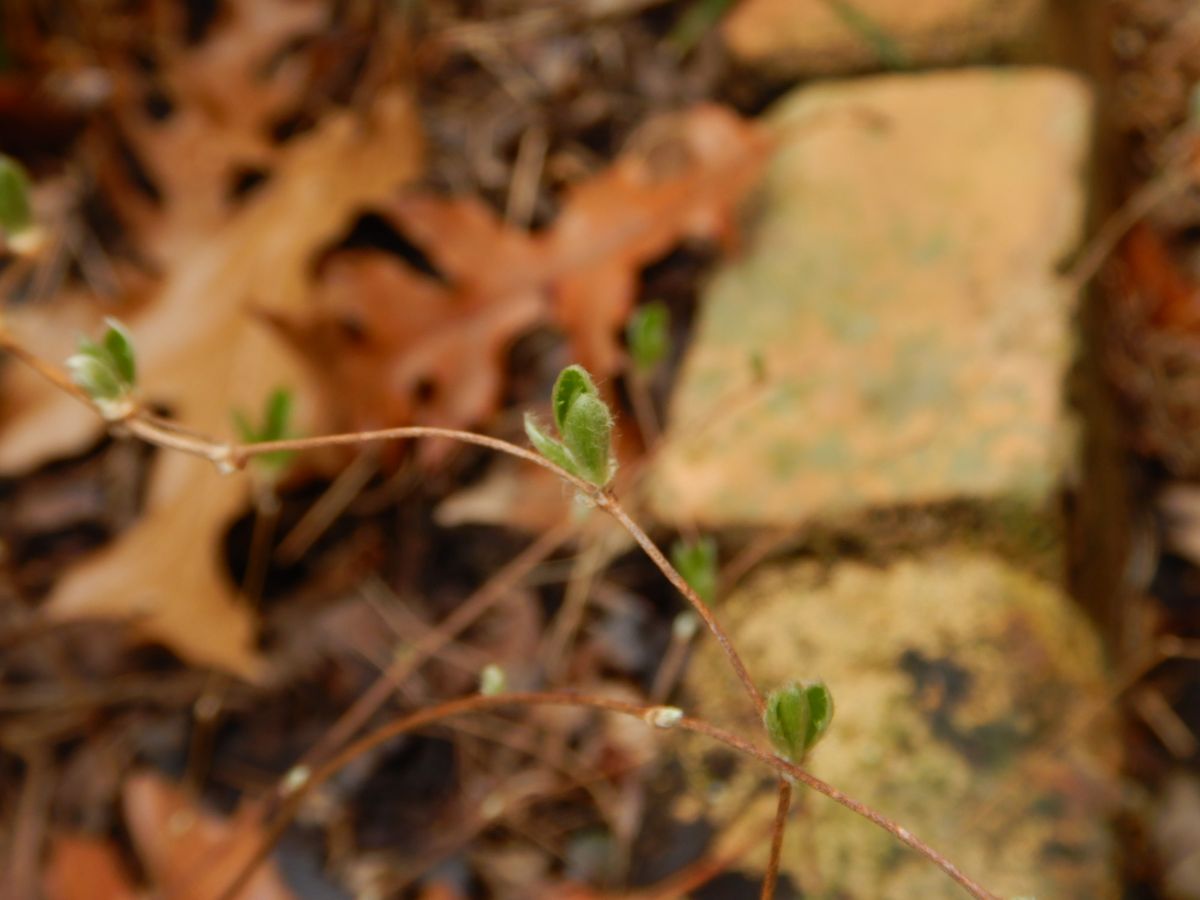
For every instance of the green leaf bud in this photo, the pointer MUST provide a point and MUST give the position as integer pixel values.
(572, 382)
(93, 373)
(276, 417)
(587, 435)
(16, 212)
(797, 717)
(548, 446)
(697, 563)
(118, 345)
(648, 335)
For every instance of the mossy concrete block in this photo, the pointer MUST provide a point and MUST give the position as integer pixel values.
(966, 694)
(796, 37)
(896, 331)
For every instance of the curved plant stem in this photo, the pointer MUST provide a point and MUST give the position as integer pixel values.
(465, 614)
(478, 702)
(782, 805)
(52, 373)
(237, 455)
(231, 456)
(609, 504)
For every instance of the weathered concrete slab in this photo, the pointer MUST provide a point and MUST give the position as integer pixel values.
(795, 37)
(960, 686)
(896, 331)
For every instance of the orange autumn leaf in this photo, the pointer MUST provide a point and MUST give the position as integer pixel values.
(397, 346)
(684, 179)
(85, 868)
(190, 853)
(225, 95)
(203, 350)
(1172, 298)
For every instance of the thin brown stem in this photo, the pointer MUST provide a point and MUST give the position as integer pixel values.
(1137, 207)
(609, 504)
(478, 702)
(464, 615)
(782, 806)
(234, 456)
(240, 453)
(52, 373)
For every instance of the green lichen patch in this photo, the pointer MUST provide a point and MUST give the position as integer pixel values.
(900, 292)
(957, 679)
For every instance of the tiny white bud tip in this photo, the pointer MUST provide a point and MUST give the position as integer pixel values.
(664, 716)
(222, 458)
(685, 625)
(492, 680)
(295, 779)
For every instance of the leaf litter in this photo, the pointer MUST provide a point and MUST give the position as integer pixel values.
(231, 272)
(187, 852)
(204, 351)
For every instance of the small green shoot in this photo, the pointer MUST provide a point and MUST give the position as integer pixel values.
(276, 419)
(701, 17)
(584, 425)
(16, 211)
(797, 717)
(697, 563)
(648, 335)
(758, 367)
(886, 48)
(106, 370)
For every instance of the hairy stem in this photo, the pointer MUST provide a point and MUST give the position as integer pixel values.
(476, 703)
(227, 456)
(782, 805)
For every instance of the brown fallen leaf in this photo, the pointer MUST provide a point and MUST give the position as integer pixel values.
(85, 868)
(190, 853)
(203, 352)
(397, 346)
(1171, 298)
(225, 95)
(684, 178)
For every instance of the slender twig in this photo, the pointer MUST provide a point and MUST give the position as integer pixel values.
(477, 703)
(782, 805)
(609, 504)
(52, 373)
(1139, 205)
(229, 457)
(464, 615)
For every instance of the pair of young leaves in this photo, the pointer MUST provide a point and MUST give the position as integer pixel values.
(797, 715)
(584, 425)
(106, 370)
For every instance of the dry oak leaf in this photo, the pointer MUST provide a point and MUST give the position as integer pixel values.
(190, 853)
(203, 353)
(1158, 281)
(225, 96)
(85, 868)
(398, 346)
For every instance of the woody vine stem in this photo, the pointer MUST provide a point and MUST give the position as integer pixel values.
(129, 417)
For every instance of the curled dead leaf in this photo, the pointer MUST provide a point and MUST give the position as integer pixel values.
(85, 868)
(190, 853)
(396, 346)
